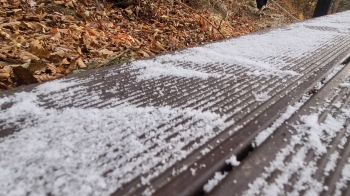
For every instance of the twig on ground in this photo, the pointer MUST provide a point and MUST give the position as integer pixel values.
(279, 6)
(202, 17)
(10, 24)
(98, 5)
(114, 58)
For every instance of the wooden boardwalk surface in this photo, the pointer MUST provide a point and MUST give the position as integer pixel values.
(267, 114)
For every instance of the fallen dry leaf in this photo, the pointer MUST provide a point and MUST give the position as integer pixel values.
(106, 53)
(27, 56)
(81, 64)
(47, 77)
(36, 65)
(4, 76)
(23, 76)
(37, 49)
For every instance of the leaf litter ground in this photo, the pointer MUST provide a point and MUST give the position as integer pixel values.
(42, 41)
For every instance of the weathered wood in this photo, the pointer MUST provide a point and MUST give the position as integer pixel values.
(165, 125)
(255, 166)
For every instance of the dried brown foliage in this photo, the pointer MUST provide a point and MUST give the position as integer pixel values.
(50, 39)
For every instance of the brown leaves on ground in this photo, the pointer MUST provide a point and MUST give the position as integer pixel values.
(43, 40)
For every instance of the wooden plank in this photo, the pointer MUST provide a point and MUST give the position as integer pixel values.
(163, 125)
(240, 143)
(293, 144)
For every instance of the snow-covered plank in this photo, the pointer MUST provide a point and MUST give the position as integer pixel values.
(308, 154)
(164, 123)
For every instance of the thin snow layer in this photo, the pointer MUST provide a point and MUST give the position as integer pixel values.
(264, 96)
(311, 135)
(218, 176)
(331, 164)
(154, 70)
(77, 151)
(333, 73)
(344, 180)
(233, 161)
(337, 22)
(263, 135)
(56, 85)
(253, 52)
(345, 85)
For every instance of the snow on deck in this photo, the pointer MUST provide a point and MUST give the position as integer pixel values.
(308, 152)
(66, 151)
(308, 162)
(92, 135)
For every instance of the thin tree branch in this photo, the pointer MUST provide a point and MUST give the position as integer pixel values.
(202, 17)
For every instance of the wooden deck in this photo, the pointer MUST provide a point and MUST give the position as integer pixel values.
(268, 112)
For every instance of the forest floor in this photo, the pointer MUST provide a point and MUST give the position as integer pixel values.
(44, 40)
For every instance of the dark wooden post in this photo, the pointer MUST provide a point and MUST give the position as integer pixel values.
(322, 8)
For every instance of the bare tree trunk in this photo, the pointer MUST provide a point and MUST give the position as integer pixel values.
(335, 6)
